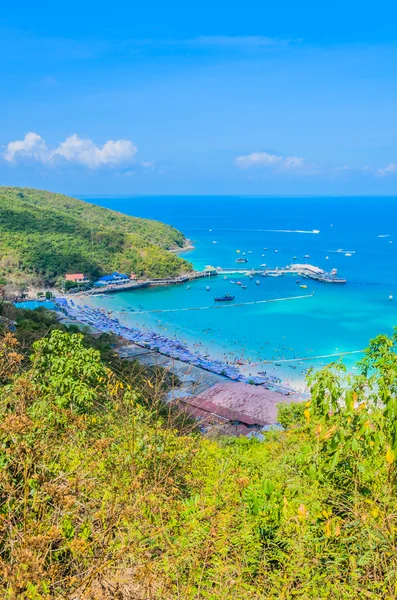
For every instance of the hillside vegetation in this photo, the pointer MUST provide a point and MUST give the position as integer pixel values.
(103, 496)
(45, 235)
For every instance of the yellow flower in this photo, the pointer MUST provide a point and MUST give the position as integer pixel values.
(327, 529)
(302, 512)
(307, 415)
(390, 456)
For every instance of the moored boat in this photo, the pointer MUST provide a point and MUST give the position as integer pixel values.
(225, 298)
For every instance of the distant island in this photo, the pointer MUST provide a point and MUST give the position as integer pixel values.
(44, 235)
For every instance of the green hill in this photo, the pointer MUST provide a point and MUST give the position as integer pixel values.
(45, 235)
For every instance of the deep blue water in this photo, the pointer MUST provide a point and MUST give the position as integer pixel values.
(336, 318)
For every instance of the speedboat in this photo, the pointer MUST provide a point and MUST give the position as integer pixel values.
(188, 287)
(232, 281)
(391, 297)
(307, 256)
(225, 298)
(257, 282)
(244, 287)
(304, 287)
(239, 283)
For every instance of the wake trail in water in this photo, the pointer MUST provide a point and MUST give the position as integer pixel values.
(217, 307)
(310, 232)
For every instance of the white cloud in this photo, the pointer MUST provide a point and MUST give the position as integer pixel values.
(32, 146)
(273, 161)
(390, 168)
(85, 152)
(74, 149)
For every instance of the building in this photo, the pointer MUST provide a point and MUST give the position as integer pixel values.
(75, 277)
(115, 278)
(243, 408)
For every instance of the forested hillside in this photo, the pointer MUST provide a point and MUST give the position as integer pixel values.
(44, 235)
(103, 495)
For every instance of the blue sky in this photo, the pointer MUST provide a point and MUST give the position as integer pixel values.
(199, 97)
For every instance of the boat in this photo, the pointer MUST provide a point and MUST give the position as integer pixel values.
(225, 298)
(242, 260)
(214, 242)
(188, 287)
(238, 251)
(239, 283)
(276, 250)
(208, 288)
(348, 254)
(391, 297)
(263, 265)
(294, 258)
(266, 248)
(304, 287)
(232, 281)
(244, 287)
(225, 277)
(257, 282)
(298, 281)
(327, 257)
(307, 256)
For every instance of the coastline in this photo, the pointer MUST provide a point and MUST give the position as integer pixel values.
(186, 248)
(173, 349)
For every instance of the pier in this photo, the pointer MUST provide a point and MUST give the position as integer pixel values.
(301, 270)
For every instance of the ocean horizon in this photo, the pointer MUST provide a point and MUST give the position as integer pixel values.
(353, 235)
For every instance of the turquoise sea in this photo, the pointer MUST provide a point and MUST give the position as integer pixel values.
(338, 318)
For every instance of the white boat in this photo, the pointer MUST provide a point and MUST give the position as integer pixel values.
(208, 288)
(214, 242)
(257, 282)
(327, 257)
(188, 287)
(348, 254)
(276, 250)
(225, 277)
(307, 256)
(263, 265)
(391, 297)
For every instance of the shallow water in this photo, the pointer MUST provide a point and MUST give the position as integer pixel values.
(338, 318)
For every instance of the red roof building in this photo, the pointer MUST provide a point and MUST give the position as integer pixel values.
(76, 277)
(243, 405)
